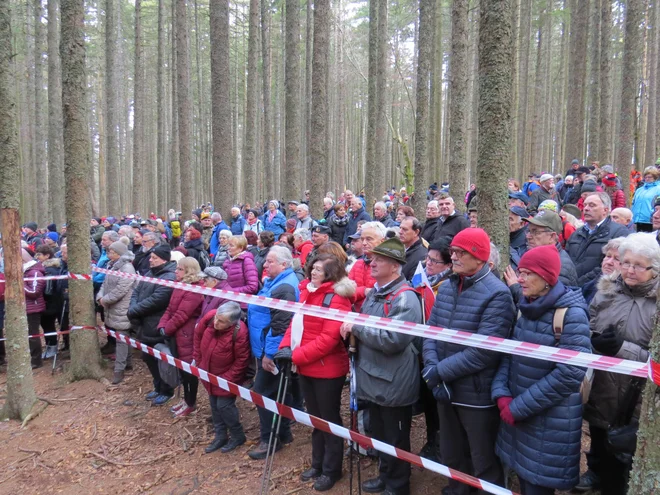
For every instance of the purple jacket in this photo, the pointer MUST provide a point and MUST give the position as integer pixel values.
(211, 303)
(33, 288)
(242, 274)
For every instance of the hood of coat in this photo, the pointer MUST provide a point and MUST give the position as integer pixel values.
(345, 287)
(52, 263)
(124, 259)
(613, 284)
(35, 267)
(168, 267)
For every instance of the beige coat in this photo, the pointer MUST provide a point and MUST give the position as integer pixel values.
(115, 294)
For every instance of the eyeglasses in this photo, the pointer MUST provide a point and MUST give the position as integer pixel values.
(636, 268)
(434, 261)
(459, 253)
(536, 233)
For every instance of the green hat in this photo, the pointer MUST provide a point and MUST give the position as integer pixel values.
(573, 210)
(392, 248)
(547, 218)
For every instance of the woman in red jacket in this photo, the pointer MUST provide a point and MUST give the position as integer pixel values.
(222, 347)
(315, 347)
(179, 321)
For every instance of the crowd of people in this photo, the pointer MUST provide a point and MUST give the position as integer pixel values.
(582, 275)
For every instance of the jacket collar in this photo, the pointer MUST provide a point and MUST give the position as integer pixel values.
(469, 281)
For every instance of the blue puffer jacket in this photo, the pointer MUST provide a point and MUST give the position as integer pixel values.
(642, 205)
(267, 326)
(483, 305)
(543, 446)
(215, 237)
(277, 226)
(237, 225)
(97, 277)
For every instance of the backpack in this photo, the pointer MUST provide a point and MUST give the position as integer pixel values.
(175, 225)
(527, 186)
(428, 301)
(168, 373)
(558, 328)
(204, 260)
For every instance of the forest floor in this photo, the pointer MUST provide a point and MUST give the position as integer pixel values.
(101, 439)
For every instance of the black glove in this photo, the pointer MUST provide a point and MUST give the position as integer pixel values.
(442, 393)
(283, 355)
(607, 343)
(431, 376)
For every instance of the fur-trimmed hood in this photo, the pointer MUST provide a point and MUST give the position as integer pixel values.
(52, 263)
(610, 285)
(345, 287)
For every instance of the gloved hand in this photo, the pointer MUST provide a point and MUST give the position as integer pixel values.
(442, 393)
(505, 413)
(503, 402)
(283, 355)
(161, 331)
(431, 376)
(607, 343)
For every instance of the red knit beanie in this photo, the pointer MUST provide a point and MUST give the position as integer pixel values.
(474, 241)
(544, 261)
(194, 233)
(609, 180)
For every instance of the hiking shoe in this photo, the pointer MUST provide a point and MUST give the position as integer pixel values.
(117, 377)
(324, 483)
(161, 400)
(178, 406)
(216, 444)
(37, 365)
(310, 474)
(261, 450)
(184, 411)
(233, 444)
(374, 485)
(151, 395)
(588, 481)
(51, 351)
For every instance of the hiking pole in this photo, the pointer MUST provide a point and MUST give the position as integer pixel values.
(274, 430)
(352, 351)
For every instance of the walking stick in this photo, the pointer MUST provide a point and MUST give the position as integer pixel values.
(352, 351)
(274, 433)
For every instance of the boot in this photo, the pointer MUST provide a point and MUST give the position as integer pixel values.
(234, 442)
(217, 443)
(117, 377)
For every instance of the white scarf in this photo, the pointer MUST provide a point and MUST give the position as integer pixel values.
(297, 328)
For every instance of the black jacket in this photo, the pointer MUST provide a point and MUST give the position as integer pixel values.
(414, 254)
(586, 250)
(148, 304)
(141, 261)
(517, 246)
(452, 225)
(430, 227)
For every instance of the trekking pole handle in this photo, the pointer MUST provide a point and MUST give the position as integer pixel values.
(352, 344)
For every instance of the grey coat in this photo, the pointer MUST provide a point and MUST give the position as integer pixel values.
(115, 293)
(387, 368)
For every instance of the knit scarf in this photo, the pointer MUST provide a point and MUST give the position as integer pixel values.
(253, 221)
(340, 221)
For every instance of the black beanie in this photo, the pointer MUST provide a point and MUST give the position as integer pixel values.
(589, 186)
(163, 251)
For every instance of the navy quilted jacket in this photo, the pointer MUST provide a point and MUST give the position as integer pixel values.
(543, 446)
(484, 305)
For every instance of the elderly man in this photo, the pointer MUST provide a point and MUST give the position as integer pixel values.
(623, 216)
(141, 262)
(218, 226)
(459, 376)
(371, 235)
(409, 233)
(148, 304)
(546, 191)
(291, 207)
(518, 198)
(451, 221)
(302, 244)
(267, 327)
(320, 235)
(432, 221)
(381, 215)
(585, 246)
(303, 219)
(517, 234)
(387, 364)
(356, 215)
(207, 230)
(328, 209)
(237, 221)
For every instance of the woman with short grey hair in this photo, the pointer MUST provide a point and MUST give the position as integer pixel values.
(622, 314)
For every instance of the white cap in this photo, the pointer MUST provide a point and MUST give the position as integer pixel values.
(545, 177)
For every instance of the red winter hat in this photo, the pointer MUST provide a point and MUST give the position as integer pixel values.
(544, 261)
(609, 180)
(474, 241)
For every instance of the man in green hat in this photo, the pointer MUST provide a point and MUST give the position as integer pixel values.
(387, 364)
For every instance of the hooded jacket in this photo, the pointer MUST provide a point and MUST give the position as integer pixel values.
(149, 302)
(387, 365)
(479, 304)
(180, 317)
(322, 353)
(33, 287)
(642, 204)
(543, 447)
(115, 294)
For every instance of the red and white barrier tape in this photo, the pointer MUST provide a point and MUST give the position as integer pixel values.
(62, 332)
(313, 421)
(536, 351)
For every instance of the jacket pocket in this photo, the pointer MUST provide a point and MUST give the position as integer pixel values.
(380, 372)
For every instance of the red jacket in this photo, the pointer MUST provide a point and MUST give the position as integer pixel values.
(2, 287)
(361, 275)
(34, 288)
(179, 319)
(321, 353)
(217, 352)
(304, 250)
(618, 198)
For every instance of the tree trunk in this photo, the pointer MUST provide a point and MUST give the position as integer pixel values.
(577, 78)
(318, 160)
(292, 185)
(309, 50)
(85, 354)
(649, 153)
(139, 191)
(251, 120)
(535, 144)
(112, 110)
(495, 66)
(458, 86)
(424, 56)
(381, 115)
(20, 382)
(223, 173)
(55, 163)
(184, 107)
(605, 132)
(629, 80)
(523, 77)
(269, 190)
(371, 182)
(175, 185)
(43, 213)
(162, 170)
(594, 82)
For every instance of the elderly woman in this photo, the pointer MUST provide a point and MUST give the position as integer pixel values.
(539, 401)
(253, 223)
(622, 314)
(221, 255)
(643, 200)
(265, 242)
(222, 347)
(115, 297)
(241, 271)
(213, 277)
(179, 322)
(303, 244)
(274, 220)
(314, 345)
(338, 223)
(609, 265)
